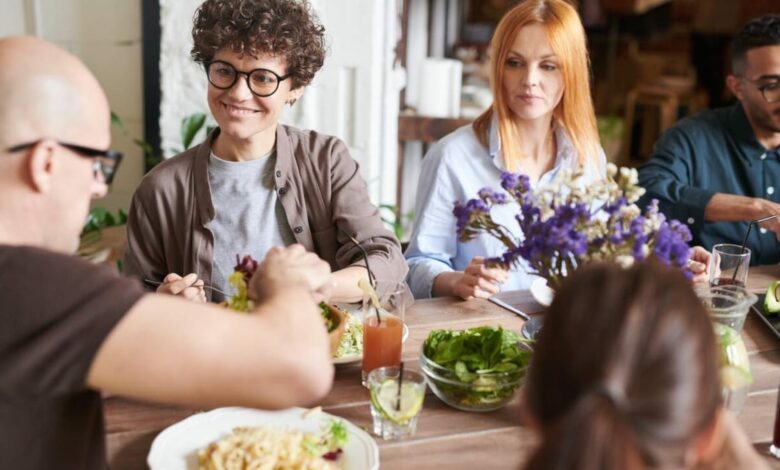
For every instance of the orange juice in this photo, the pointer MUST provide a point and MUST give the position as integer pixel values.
(381, 341)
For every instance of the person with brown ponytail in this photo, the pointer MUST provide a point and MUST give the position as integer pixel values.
(625, 376)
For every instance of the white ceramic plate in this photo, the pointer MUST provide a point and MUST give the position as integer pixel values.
(354, 309)
(176, 447)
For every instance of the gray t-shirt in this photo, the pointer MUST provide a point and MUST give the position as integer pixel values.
(249, 218)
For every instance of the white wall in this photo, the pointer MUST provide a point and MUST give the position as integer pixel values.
(106, 35)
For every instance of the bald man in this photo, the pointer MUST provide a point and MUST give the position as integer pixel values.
(69, 329)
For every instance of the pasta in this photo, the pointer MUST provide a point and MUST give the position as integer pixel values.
(263, 448)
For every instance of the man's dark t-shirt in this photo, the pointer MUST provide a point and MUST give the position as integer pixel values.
(55, 312)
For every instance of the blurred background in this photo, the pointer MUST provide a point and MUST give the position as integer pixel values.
(399, 75)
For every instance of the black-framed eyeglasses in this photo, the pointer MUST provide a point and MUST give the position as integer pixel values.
(106, 161)
(770, 91)
(261, 82)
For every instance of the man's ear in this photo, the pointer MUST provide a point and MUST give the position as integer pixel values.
(41, 165)
(735, 85)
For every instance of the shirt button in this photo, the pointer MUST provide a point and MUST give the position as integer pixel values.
(282, 191)
(278, 174)
(763, 156)
(762, 230)
(298, 229)
(770, 190)
(691, 220)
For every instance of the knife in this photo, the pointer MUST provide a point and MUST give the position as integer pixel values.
(512, 309)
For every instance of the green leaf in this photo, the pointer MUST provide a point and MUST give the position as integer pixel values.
(463, 372)
(117, 121)
(100, 218)
(190, 126)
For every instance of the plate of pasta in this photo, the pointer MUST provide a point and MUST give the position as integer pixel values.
(238, 438)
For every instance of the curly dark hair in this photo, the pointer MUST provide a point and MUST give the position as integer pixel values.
(758, 32)
(279, 27)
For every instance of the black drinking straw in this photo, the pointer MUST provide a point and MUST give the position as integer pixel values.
(400, 382)
(747, 234)
(371, 278)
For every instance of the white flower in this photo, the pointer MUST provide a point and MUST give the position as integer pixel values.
(624, 260)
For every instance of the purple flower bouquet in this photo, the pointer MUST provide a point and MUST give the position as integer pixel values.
(569, 223)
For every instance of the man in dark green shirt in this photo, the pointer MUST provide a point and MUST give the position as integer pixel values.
(720, 169)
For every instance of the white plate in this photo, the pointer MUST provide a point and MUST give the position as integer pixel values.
(177, 446)
(354, 309)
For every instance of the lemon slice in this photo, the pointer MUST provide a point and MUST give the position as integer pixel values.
(732, 349)
(733, 377)
(384, 397)
(369, 291)
(734, 360)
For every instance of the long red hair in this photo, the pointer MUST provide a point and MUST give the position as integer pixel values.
(575, 110)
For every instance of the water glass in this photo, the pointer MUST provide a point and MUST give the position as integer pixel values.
(383, 326)
(395, 414)
(728, 306)
(729, 265)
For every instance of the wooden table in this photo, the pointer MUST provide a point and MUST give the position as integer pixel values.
(447, 438)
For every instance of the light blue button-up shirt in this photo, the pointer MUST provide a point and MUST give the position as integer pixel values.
(455, 169)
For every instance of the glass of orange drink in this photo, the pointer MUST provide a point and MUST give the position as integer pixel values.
(383, 323)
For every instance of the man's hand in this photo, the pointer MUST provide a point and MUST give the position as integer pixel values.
(189, 287)
(477, 280)
(731, 208)
(699, 264)
(293, 265)
(772, 224)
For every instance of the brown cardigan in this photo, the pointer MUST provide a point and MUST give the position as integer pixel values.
(320, 188)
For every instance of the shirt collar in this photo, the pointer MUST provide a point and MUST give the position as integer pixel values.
(740, 129)
(565, 155)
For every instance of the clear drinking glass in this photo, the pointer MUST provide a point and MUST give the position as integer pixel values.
(729, 265)
(383, 326)
(728, 306)
(395, 414)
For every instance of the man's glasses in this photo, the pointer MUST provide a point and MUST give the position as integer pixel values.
(261, 82)
(770, 91)
(106, 161)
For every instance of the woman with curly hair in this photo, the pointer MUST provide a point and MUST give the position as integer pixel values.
(625, 377)
(254, 183)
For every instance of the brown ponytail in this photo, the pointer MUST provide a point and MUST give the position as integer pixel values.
(576, 440)
(624, 374)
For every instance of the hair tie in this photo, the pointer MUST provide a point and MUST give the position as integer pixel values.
(615, 395)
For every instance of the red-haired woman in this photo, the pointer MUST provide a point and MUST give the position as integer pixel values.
(541, 122)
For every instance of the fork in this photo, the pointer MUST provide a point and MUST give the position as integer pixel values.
(153, 283)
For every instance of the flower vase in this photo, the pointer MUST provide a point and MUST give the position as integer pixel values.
(543, 295)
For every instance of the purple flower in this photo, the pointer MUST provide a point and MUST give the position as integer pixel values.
(493, 197)
(471, 217)
(516, 184)
(572, 233)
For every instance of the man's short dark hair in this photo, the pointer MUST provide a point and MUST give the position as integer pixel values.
(758, 32)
